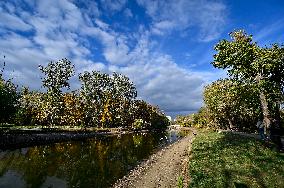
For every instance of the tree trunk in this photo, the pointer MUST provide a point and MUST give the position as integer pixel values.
(265, 111)
(277, 118)
(231, 125)
(264, 107)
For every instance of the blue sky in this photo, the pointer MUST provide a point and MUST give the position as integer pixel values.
(165, 47)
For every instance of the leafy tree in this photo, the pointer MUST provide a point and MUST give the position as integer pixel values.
(123, 92)
(73, 110)
(30, 104)
(262, 67)
(231, 104)
(57, 75)
(200, 119)
(150, 116)
(103, 101)
(141, 112)
(8, 98)
(107, 99)
(94, 90)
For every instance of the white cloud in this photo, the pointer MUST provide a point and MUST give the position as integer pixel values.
(113, 5)
(264, 35)
(57, 26)
(101, 24)
(161, 81)
(82, 65)
(62, 30)
(13, 22)
(14, 40)
(115, 49)
(208, 16)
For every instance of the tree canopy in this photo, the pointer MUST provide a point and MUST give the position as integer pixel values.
(262, 67)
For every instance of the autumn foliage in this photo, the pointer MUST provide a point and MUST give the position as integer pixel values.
(102, 101)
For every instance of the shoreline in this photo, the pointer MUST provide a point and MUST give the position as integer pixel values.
(163, 168)
(20, 138)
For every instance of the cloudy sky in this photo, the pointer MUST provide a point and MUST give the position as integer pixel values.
(164, 46)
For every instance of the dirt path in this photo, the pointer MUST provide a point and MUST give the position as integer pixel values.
(163, 168)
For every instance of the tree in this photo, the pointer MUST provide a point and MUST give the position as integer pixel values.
(141, 112)
(123, 92)
(57, 75)
(30, 105)
(150, 116)
(94, 90)
(249, 63)
(73, 110)
(107, 99)
(231, 104)
(8, 98)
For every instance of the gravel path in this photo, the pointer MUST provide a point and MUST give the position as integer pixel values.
(163, 168)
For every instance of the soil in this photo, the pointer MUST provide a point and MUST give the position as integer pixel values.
(163, 168)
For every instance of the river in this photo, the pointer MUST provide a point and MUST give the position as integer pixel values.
(95, 162)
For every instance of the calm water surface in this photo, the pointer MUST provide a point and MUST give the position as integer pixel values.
(96, 162)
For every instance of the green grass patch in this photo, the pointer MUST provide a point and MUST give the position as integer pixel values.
(230, 160)
(180, 182)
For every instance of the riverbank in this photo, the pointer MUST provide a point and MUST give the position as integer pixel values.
(26, 137)
(162, 169)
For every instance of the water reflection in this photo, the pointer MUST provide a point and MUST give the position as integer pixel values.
(96, 162)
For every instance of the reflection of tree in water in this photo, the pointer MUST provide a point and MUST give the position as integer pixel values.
(96, 162)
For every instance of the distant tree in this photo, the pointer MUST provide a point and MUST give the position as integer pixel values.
(247, 62)
(231, 104)
(57, 75)
(141, 111)
(73, 110)
(107, 99)
(150, 116)
(30, 110)
(8, 98)
(94, 93)
(123, 92)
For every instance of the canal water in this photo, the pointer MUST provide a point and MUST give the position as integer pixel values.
(95, 162)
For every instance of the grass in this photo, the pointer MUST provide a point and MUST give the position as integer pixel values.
(180, 182)
(229, 160)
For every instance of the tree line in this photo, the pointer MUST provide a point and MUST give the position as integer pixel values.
(103, 100)
(253, 90)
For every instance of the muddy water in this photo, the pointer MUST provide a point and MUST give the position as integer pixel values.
(96, 162)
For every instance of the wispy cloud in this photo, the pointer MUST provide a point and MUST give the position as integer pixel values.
(113, 5)
(12, 22)
(128, 13)
(208, 16)
(264, 35)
